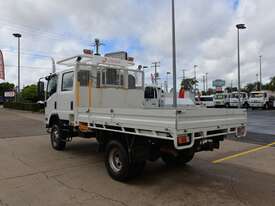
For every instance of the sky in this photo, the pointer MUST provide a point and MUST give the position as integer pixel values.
(205, 35)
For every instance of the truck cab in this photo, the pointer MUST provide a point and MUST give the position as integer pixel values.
(234, 99)
(221, 100)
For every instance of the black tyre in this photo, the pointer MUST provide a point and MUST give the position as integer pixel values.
(182, 158)
(227, 105)
(266, 106)
(117, 161)
(58, 139)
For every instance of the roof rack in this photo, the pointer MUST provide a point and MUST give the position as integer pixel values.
(94, 60)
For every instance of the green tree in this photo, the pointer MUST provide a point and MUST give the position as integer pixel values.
(29, 93)
(271, 84)
(188, 84)
(6, 86)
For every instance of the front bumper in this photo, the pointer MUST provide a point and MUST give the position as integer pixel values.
(256, 104)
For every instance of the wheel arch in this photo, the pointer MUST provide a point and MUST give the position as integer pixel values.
(53, 119)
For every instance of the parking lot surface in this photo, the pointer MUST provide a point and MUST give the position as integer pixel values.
(242, 172)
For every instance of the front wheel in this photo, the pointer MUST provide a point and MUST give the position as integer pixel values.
(58, 141)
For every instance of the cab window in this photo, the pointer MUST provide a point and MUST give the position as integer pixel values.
(52, 86)
(150, 93)
(67, 81)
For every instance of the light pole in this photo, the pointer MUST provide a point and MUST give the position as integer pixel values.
(206, 81)
(18, 36)
(239, 26)
(260, 72)
(167, 85)
(174, 56)
(257, 82)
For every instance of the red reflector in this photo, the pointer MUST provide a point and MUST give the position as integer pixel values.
(183, 139)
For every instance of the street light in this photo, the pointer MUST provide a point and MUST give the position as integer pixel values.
(174, 57)
(167, 74)
(260, 72)
(239, 26)
(18, 36)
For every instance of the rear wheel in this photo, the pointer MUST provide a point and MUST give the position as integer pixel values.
(117, 162)
(58, 139)
(182, 158)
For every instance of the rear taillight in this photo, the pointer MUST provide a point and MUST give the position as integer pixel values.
(183, 139)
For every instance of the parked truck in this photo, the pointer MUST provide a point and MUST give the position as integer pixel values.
(233, 100)
(103, 97)
(221, 100)
(261, 99)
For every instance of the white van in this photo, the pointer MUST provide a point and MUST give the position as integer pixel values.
(207, 101)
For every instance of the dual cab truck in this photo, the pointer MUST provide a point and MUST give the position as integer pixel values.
(103, 98)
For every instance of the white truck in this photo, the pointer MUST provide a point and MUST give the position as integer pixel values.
(233, 100)
(221, 100)
(102, 97)
(261, 99)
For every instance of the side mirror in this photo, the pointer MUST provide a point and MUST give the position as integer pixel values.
(40, 90)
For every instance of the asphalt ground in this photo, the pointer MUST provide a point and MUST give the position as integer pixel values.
(242, 172)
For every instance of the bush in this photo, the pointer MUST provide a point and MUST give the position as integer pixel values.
(34, 107)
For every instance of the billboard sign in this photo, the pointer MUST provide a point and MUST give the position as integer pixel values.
(218, 83)
(9, 94)
(2, 67)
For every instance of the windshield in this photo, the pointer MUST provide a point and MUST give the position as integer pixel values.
(235, 95)
(219, 96)
(52, 86)
(257, 95)
(206, 99)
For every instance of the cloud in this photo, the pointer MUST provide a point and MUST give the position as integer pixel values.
(205, 34)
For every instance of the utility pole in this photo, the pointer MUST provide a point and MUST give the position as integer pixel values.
(174, 56)
(203, 81)
(167, 82)
(257, 82)
(195, 76)
(155, 65)
(206, 81)
(260, 72)
(183, 74)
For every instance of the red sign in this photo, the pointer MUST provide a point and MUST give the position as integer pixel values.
(2, 67)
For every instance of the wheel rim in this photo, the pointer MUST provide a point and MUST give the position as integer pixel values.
(115, 160)
(55, 137)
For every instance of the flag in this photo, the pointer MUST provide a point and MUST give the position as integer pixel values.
(182, 93)
(2, 67)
